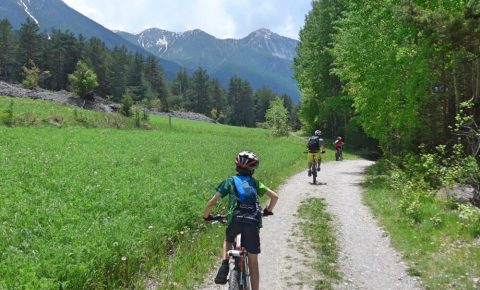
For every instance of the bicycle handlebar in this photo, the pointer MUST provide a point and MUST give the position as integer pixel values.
(223, 219)
(216, 218)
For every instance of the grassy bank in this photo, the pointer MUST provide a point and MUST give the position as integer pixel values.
(439, 244)
(102, 208)
(16, 112)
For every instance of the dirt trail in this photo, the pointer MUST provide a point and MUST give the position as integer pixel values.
(367, 260)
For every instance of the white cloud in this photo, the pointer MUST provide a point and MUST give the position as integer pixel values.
(221, 18)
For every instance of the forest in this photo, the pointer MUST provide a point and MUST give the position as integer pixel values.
(53, 56)
(406, 72)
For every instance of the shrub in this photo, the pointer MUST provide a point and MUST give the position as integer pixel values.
(83, 80)
(277, 118)
(9, 119)
(470, 217)
(32, 76)
(127, 103)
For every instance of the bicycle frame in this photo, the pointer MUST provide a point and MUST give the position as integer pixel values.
(240, 257)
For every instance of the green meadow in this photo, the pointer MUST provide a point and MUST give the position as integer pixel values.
(85, 205)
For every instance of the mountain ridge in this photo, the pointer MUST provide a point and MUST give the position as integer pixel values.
(263, 57)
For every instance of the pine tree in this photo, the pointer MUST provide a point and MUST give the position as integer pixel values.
(240, 94)
(7, 51)
(117, 72)
(200, 90)
(156, 77)
(181, 90)
(261, 100)
(217, 96)
(60, 56)
(96, 55)
(29, 44)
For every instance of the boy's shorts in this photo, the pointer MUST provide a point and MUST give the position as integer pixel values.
(250, 236)
(310, 156)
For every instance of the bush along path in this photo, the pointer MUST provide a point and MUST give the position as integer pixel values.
(365, 259)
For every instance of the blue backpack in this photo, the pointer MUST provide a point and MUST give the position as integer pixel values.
(246, 209)
(246, 188)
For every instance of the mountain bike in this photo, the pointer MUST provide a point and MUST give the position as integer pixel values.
(314, 168)
(239, 278)
(339, 154)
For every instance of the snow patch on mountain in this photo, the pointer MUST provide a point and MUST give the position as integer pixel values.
(27, 10)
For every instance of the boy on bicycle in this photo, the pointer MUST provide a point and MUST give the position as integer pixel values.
(315, 145)
(244, 214)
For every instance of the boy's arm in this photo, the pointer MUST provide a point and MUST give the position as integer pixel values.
(273, 199)
(211, 204)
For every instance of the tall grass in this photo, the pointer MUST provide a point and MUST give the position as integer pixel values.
(431, 233)
(102, 208)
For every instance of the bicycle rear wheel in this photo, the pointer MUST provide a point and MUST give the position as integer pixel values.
(314, 171)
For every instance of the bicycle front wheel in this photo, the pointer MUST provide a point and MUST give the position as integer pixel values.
(234, 280)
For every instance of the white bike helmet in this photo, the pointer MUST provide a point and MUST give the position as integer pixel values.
(318, 132)
(247, 160)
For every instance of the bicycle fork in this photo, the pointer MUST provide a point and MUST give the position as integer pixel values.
(240, 261)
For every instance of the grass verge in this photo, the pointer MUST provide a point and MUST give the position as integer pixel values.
(438, 247)
(317, 226)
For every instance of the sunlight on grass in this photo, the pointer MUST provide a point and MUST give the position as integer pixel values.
(101, 208)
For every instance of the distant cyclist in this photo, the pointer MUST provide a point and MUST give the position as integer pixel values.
(244, 213)
(315, 145)
(338, 148)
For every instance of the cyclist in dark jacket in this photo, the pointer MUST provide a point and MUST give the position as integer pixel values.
(244, 214)
(315, 145)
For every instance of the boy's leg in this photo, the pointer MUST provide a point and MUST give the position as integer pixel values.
(254, 272)
(222, 273)
(226, 247)
(309, 163)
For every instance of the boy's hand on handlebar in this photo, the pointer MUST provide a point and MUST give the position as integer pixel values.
(266, 212)
(208, 218)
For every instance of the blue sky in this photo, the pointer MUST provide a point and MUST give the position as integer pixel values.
(220, 18)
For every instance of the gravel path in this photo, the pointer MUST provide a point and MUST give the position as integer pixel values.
(367, 260)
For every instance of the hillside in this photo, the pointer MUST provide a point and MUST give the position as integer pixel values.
(55, 14)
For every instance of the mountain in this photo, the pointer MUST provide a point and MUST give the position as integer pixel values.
(49, 14)
(263, 58)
